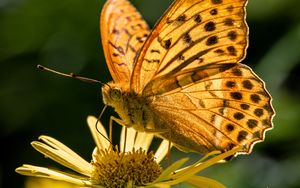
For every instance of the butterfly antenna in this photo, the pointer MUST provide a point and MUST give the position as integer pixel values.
(70, 75)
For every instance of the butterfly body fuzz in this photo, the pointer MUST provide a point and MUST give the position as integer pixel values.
(132, 108)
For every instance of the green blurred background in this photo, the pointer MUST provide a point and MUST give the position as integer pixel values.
(64, 35)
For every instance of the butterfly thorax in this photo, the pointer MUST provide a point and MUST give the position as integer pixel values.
(131, 107)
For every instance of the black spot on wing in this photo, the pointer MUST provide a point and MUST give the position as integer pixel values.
(238, 115)
(255, 98)
(229, 127)
(166, 44)
(181, 18)
(197, 18)
(232, 35)
(252, 123)
(210, 26)
(216, 1)
(244, 106)
(236, 95)
(213, 12)
(242, 136)
(212, 40)
(187, 38)
(228, 22)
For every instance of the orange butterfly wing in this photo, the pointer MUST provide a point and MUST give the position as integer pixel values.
(123, 32)
(192, 33)
(188, 73)
(220, 111)
(189, 68)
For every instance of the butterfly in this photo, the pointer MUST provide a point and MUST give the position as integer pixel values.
(183, 80)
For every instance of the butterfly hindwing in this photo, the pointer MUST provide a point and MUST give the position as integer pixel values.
(227, 109)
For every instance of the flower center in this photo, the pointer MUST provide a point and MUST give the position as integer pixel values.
(119, 169)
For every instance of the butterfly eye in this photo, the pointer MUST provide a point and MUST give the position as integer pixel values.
(116, 94)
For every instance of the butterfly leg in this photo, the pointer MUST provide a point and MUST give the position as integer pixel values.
(117, 120)
(120, 122)
(156, 131)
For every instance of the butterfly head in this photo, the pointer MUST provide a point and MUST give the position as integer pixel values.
(112, 94)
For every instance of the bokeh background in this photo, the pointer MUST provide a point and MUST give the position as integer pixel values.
(64, 35)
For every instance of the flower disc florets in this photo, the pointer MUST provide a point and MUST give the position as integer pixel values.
(118, 169)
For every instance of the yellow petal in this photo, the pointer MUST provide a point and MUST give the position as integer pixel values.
(98, 132)
(36, 171)
(165, 175)
(143, 140)
(130, 138)
(203, 182)
(184, 174)
(162, 151)
(159, 185)
(60, 153)
(33, 182)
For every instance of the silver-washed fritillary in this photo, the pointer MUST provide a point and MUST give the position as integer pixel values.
(183, 80)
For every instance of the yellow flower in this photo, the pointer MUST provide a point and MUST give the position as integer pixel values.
(130, 166)
(33, 182)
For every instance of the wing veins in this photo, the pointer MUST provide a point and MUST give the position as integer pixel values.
(202, 23)
(211, 125)
(208, 123)
(191, 59)
(231, 122)
(249, 130)
(204, 67)
(191, 130)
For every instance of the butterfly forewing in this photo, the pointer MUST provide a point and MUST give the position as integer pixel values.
(192, 34)
(123, 32)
